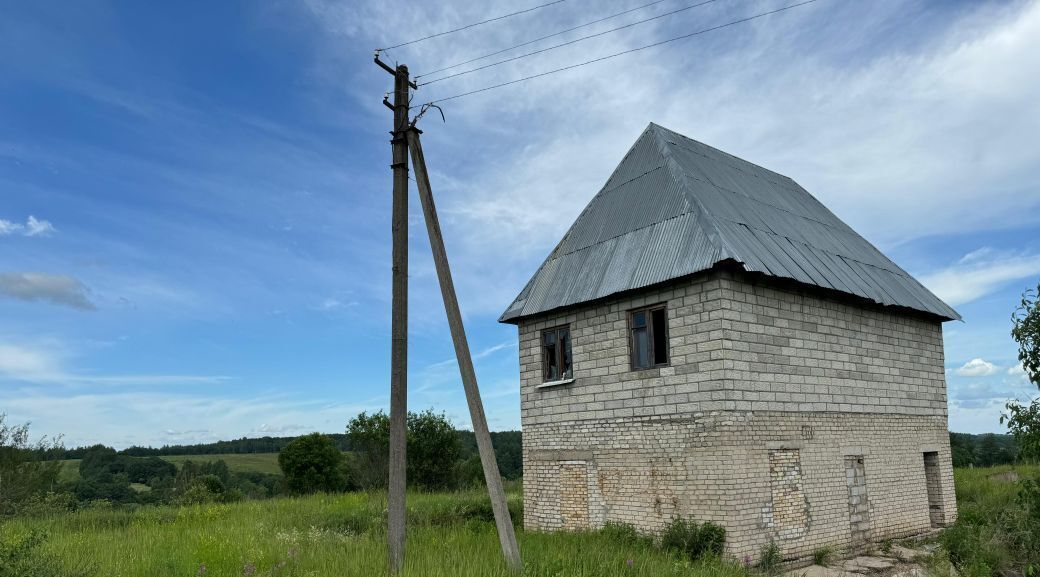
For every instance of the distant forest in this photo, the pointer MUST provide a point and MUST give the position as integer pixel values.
(507, 449)
(968, 450)
(983, 450)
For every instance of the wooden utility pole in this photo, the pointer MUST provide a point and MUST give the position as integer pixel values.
(399, 325)
(506, 535)
(406, 136)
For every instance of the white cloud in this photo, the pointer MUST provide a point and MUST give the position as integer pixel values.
(8, 228)
(33, 227)
(38, 227)
(903, 139)
(977, 368)
(980, 273)
(127, 418)
(269, 429)
(53, 288)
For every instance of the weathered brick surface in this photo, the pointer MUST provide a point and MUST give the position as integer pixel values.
(767, 392)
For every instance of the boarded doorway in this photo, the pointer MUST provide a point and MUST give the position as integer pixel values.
(933, 481)
(574, 495)
(859, 504)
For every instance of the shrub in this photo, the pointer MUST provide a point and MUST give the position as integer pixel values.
(623, 534)
(692, 539)
(770, 560)
(824, 555)
(20, 556)
(312, 463)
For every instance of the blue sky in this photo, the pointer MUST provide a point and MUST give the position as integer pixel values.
(194, 196)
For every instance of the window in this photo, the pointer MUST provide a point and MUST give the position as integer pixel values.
(556, 354)
(649, 337)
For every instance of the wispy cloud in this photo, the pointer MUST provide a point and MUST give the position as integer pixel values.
(53, 288)
(46, 366)
(980, 273)
(33, 227)
(878, 127)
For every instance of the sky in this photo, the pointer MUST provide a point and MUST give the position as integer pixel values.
(195, 196)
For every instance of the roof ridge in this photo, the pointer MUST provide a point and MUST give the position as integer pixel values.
(706, 207)
(720, 151)
(704, 217)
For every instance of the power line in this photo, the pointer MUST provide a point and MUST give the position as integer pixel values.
(569, 42)
(474, 25)
(529, 42)
(615, 55)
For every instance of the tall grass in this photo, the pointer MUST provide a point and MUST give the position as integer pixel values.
(994, 534)
(335, 535)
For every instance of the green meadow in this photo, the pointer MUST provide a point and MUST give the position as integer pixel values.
(236, 462)
(450, 534)
(330, 535)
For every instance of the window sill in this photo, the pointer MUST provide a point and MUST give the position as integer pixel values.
(555, 383)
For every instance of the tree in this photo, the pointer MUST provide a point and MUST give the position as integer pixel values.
(312, 463)
(369, 438)
(97, 460)
(1026, 332)
(1024, 420)
(433, 449)
(25, 469)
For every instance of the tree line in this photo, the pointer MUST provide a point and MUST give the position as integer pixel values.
(439, 458)
(985, 450)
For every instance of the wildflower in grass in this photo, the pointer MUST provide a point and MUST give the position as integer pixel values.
(630, 563)
(202, 570)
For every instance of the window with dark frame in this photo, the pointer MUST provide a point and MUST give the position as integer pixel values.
(556, 354)
(648, 337)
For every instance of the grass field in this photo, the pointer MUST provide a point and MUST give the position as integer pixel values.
(336, 535)
(449, 534)
(994, 534)
(238, 462)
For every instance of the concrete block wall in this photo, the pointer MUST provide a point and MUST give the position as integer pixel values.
(755, 370)
(762, 475)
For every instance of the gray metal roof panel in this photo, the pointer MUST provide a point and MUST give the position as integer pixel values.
(674, 207)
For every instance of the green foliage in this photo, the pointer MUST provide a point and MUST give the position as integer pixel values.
(340, 534)
(625, 534)
(1026, 332)
(985, 450)
(432, 444)
(312, 463)
(433, 450)
(824, 555)
(50, 503)
(369, 438)
(20, 556)
(508, 452)
(693, 540)
(770, 561)
(26, 468)
(1023, 421)
(997, 530)
(99, 460)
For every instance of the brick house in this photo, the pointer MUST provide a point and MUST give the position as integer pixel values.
(709, 341)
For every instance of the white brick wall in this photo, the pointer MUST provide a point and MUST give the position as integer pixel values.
(753, 369)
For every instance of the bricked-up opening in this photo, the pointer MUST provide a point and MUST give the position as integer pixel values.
(790, 513)
(859, 504)
(934, 483)
(574, 495)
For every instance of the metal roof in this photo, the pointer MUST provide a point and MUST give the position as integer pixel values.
(675, 206)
